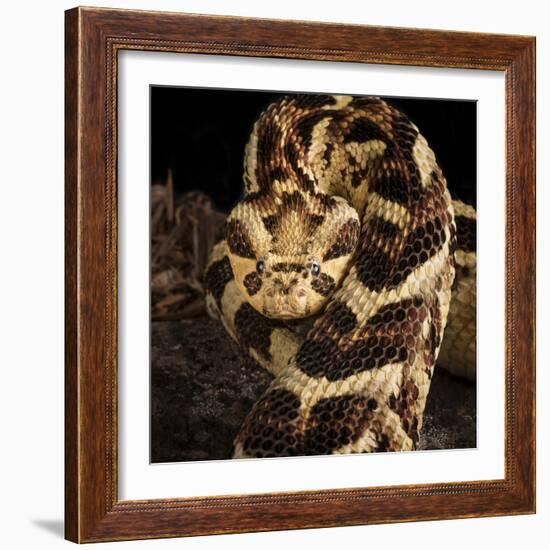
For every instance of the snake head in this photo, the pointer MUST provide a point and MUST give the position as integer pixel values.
(290, 252)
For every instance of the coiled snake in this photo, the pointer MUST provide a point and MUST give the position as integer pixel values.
(347, 220)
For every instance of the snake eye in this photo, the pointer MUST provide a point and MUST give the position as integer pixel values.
(260, 266)
(315, 268)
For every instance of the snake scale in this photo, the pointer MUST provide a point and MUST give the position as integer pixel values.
(346, 220)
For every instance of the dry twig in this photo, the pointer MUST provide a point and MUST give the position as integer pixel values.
(183, 231)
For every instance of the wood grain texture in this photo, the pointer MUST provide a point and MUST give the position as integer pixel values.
(71, 269)
(93, 38)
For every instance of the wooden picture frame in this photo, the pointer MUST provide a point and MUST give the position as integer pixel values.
(93, 511)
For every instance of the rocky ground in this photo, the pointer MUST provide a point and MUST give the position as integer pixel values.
(203, 386)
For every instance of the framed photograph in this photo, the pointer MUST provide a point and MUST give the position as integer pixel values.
(300, 275)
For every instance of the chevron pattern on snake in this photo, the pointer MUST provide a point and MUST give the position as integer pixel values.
(346, 219)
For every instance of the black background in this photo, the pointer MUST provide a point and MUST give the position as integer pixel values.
(202, 133)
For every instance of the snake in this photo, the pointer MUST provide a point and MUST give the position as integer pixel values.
(346, 227)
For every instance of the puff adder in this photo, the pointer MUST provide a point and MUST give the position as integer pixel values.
(347, 220)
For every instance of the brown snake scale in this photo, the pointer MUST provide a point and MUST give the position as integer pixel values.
(346, 220)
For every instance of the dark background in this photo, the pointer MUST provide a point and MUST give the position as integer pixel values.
(202, 133)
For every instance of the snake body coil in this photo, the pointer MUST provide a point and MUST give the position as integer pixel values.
(346, 219)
